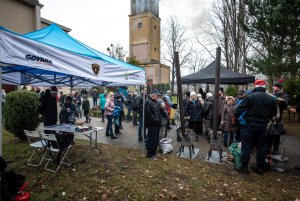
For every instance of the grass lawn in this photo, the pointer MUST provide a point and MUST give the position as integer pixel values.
(124, 174)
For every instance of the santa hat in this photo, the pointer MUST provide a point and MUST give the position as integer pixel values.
(260, 83)
(281, 80)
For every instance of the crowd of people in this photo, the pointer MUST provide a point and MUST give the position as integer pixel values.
(244, 118)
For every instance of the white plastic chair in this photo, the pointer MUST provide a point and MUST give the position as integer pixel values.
(54, 149)
(37, 144)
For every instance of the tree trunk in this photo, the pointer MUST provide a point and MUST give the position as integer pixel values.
(173, 78)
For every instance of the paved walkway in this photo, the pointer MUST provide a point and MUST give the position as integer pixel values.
(129, 139)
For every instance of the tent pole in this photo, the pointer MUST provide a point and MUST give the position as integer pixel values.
(143, 127)
(207, 88)
(71, 84)
(1, 99)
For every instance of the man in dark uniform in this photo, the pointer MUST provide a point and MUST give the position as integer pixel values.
(260, 109)
(153, 123)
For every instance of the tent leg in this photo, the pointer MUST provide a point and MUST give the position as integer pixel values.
(143, 127)
(1, 99)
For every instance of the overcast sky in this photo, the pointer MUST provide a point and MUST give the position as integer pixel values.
(98, 23)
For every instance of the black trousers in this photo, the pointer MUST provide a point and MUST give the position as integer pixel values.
(273, 141)
(254, 136)
(152, 141)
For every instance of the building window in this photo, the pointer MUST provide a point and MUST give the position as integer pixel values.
(155, 49)
(154, 26)
(140, 25)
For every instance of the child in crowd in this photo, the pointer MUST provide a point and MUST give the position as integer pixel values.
(86, 109)
(228, 121)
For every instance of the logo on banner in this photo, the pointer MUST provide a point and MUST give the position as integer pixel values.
(132, 76)
(40, 58)
(96, 68)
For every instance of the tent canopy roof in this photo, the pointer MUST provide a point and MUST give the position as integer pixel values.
(72, 62)
(53, 35)
(207, 75)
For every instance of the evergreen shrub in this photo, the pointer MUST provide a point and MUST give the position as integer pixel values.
(20, 112)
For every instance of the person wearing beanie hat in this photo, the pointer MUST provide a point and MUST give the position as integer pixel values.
(281, 97)
(153, 124)
(199, 96)
(282, 100)
(221, 91)
(53, 90)
(241, 96)
(257, 109)
(186, 99)
(228, 121)
(278, 85)
(193, 94)
(208, 112)
(194, 110)
(209, 95)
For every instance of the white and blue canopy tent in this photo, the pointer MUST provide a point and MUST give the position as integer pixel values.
(111, 71)
(31, 60)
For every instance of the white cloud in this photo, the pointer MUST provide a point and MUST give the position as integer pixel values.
(99, 23)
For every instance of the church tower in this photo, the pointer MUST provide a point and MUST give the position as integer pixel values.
(144, 39)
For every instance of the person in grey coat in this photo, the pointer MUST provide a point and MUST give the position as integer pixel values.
(208, 112)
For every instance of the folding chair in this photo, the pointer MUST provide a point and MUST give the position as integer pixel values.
(54, 149)
(37, 144)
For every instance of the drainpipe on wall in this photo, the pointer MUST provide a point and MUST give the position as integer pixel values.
(37, 11)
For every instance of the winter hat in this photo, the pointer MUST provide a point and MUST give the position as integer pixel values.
(209, 95)
(260, 83)
(278, 84)
(53, 90)
(221, 89)
(155, 91)
(231, 97)
(69, 98)
(199, 96)
(241, 92)
(193, 93)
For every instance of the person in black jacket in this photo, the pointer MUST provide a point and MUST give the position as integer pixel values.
(66, 116)
(48, 107)
(119, 103)
(194, 110)
(128, 104)
(282, 100)
(86, 109)
(208, 112)
(153, 123)
(67, 112)
(260, 109)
